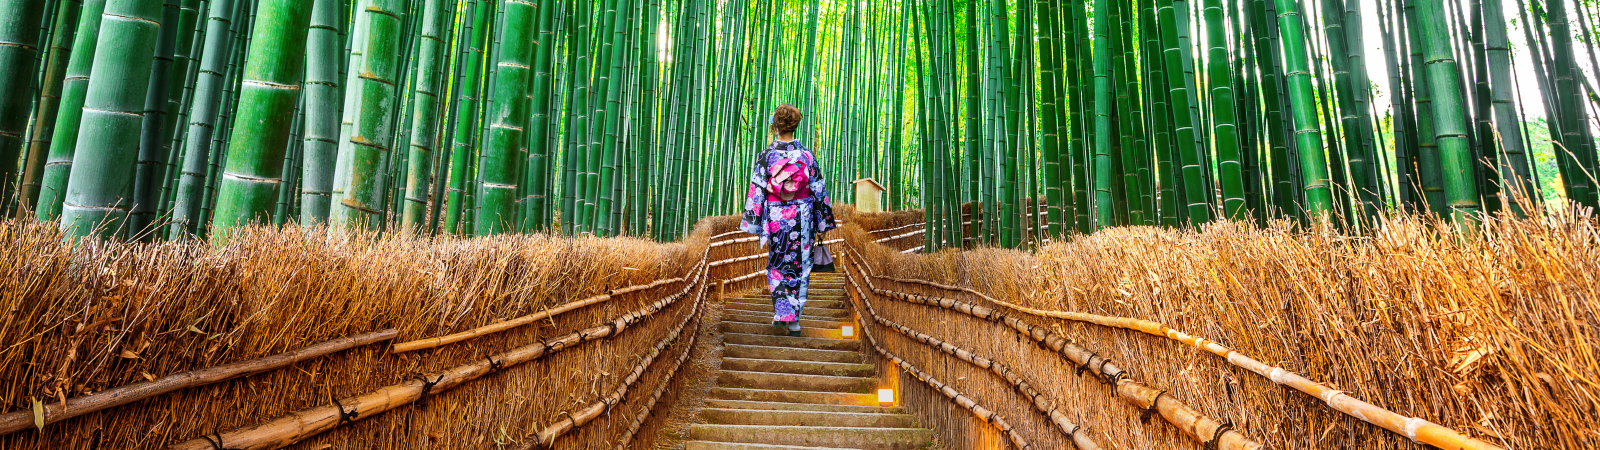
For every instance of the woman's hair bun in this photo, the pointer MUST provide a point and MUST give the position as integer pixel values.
(787, 118)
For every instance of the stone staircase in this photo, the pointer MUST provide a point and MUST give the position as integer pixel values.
(777, 392)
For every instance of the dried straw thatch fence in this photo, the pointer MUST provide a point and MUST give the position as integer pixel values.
(392, 342)
(1294, 338)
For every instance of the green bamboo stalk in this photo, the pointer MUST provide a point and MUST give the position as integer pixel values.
(19, 54)
(467, 114)
(1223, 129)
(1182, 99)
(47, 108)
(1308, 138)
(221, 25)
(506, 116)
(1450, 121)
(248, 188)
(370, 100)
(100, 189)
(429, 72)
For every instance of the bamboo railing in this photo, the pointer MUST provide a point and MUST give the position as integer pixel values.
(1183, 417)
(310, 422)
(593, 411)
(1044, 405)
(422, 344)
(48, 413)
(985, 414)
(1414, 428)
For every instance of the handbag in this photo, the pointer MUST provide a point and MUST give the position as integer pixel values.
(821, 259)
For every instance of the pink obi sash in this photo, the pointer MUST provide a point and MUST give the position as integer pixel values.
(788, 178)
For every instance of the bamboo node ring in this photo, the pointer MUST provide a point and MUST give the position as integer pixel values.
(1144, 417)
(1216, 436)
(216, 442)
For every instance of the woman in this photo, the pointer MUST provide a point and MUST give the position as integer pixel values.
(788, 207)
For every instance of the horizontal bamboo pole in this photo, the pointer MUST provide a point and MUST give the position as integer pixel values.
(303, 424)
(573, 421)
(122, 395)
(723, 235)
(423, 344)
(736, 241)
(738, 259)
(1042, 403)
(991, 417)
(912, 249)
(1175, 412)
(898, 236)
(746, 276)
(644, 414)
(1415, 428)
(902, 227)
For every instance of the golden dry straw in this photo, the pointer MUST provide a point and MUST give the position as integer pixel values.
(1489, 333)
(588, 414)
(987, 415)
(1414, 428)
(76, 322)
(295, 427)
(1185, 418)
(432, 342)
(46, 414)
(1042, 403)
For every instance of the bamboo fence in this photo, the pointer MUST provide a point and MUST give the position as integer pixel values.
(1418, 335)
(1209, 432)
(1041, 402)
(107, 317)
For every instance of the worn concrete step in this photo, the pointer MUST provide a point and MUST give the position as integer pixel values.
(805, 418)
(790, 354)
(835, 437)
(768, 328)
(790, 341)
(804, 367)
(788, 396)
(800, 367)
(766, 319)
(708, 445)
(795, 382)
(766, 308)
(786, 406)
(811, 302)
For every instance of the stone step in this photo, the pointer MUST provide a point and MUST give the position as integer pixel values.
(792, 341)
(788, 396)
(790, 354)
(768, 328)
(786, 406)
(805, 320)
(799, 367)
(795, 382)
(805, 418)
(833, 437)
(708, 445)
(812, 302)
(766, 308)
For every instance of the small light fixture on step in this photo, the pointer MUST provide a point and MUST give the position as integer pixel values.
(847, 331)
(886, 397)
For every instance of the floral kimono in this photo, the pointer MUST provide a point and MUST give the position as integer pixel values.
(787, 169)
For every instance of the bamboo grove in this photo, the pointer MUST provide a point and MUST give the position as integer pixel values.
(151, 119)
(1006, 120)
